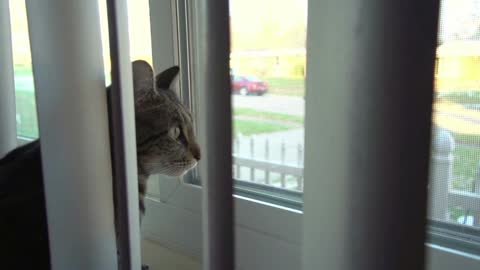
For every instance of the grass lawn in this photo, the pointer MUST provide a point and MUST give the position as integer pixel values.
(23, 70)
(465, 166)
(467, 139)
(470, 97)
(256, 122)
(249, 127)
(466, 160)
(25, 106)
(283, 117)
(286, 86)
(27, 114)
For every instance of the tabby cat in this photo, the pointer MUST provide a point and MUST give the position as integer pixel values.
(165, 145)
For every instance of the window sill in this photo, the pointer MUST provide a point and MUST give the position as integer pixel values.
(174, 220)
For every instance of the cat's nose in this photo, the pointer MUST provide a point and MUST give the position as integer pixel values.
(195, 150)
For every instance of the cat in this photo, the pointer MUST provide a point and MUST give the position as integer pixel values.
(166, 144)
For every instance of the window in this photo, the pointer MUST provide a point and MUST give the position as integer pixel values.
(267, 60)
(267, 68)
(455, 160)
(26, 115)
(140, 48)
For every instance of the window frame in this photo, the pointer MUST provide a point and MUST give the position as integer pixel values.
(184, 34)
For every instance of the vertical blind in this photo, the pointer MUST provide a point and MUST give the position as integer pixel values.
(368, 114)
(122, 137)
(215, 133)
(73, 123)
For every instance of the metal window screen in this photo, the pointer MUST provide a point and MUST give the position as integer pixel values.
(455, 160)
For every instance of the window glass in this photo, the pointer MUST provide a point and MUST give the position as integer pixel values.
(140, 48)
(26, 114)
(267, 61)
(455, 161)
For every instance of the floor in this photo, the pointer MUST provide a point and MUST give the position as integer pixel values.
(161, 258)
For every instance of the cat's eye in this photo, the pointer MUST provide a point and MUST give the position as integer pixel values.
(175, 132)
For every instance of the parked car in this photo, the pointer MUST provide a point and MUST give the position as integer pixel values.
(248, 85)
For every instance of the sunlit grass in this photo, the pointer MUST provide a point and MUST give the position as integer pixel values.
(27, 123)
(283, 117)
(249, 127)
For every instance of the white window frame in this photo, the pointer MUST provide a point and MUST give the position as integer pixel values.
(268, 236)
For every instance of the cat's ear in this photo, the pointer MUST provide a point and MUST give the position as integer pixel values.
(165, 79)
(142, 76)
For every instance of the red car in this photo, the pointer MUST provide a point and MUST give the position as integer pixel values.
(248, 85)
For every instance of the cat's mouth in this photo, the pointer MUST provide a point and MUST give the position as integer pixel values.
(179, 168)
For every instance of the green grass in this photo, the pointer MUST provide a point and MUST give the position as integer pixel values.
(286, 86)
(468, 97)
(249, 127)
(470, 139)
(466, 162)
(25, 105)
(257, 122)
(23, 70)
(456, 212)
(282, 117)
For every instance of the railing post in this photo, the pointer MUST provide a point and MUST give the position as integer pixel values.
(476, 190)
(74, 136)
(300, 164)
(252, 155)
(8, 133)
(440, 173)
(283, 181)
(239, 168)
(267, 158)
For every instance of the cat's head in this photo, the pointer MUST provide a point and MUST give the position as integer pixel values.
(166, 141)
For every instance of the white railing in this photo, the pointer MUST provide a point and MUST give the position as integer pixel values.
(273, 157)
(443, 197)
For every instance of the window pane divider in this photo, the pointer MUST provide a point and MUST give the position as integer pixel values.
(215, 134)
(8, 133)
(123, 143)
